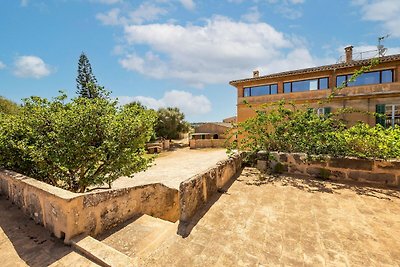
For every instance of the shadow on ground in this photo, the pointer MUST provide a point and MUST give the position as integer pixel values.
(185, 228)
(30, 242)
(253, 177)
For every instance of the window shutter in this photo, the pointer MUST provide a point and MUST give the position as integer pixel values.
(380, 109)
(327, 110)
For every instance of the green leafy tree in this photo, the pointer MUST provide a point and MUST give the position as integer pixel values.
(86, 82)
(7, 106)
(75, 145)
(171, 122)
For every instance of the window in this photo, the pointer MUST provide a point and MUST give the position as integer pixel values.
(391, 112)
(306, 85)
(374, 77)
(270, 89)
(323, 111)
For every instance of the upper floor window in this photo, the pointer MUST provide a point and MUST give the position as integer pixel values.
(374, 77)
(306, 85)
(270, 89)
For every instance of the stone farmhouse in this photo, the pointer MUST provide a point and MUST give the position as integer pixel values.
(377, 90)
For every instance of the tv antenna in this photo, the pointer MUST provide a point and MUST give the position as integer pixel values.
(381, 48)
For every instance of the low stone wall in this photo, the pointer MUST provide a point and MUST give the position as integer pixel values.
(353, 169)
(195, 192)
(68, 214)
(207, 143)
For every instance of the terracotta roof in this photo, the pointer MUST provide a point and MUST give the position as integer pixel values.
(320, 68)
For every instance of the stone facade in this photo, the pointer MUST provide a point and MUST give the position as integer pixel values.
(204, 143)
(371, 171)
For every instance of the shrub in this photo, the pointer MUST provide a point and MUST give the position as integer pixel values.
(286, 128)
(78, 144)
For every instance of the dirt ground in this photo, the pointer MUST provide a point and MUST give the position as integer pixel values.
(276, 221)
(24, 243)
(172, 167)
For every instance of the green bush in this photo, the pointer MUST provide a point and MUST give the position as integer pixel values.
(286, 128)
(78, 144)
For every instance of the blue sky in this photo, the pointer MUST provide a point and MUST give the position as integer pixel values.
(179, 52)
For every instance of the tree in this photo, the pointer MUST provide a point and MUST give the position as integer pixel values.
(76, 145)
(86, 82)
(170, 123)
(7, 106)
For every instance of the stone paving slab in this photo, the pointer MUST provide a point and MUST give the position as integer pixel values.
(173, 167)
(285, 221)
(24, 243)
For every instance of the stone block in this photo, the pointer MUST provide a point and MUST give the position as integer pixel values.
(378, 178)
(318, 172)
(283, 157)
(388, 165)
(294, 168)
(262, 165)
(338, 175)
(351, 163)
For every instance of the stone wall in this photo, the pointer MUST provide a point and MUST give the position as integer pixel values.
(352, 169)
(68, 214)
(207, 143)
(195, 192)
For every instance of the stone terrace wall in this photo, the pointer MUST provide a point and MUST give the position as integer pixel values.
(68, 214)
(204, 143)
(353, 169)
(195, 192)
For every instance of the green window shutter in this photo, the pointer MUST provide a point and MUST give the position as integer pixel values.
(327, 110)
(380, 109)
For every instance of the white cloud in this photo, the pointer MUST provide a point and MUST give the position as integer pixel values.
(288, 8)
(2, 65)
(24, 3)
(144, 13)
(214, 53)
(253, 15)
(112, 17)
(107, 2)
(31, 67)
(188, 4)
(384, 11)
(188, 103)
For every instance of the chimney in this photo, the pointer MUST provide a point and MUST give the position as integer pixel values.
(256, 74)
(349, 53)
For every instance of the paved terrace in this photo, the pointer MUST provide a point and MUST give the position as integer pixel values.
(275, 221)
(173, 167)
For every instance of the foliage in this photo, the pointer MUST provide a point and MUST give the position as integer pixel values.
(7, 106)
(75, 145)
(171, 122)
(86, 82)
(292, 129)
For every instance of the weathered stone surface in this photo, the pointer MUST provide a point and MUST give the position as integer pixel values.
(18, 195)
(351, 163)
(319, 172)
(299, 158)
(379, 178)
(388, 165)
(283, 157)
(293, 168)
(262, 165)
(338, 175)
(34, 208)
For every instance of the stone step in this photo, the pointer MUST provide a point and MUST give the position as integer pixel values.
(140, 237)
(100, 252)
